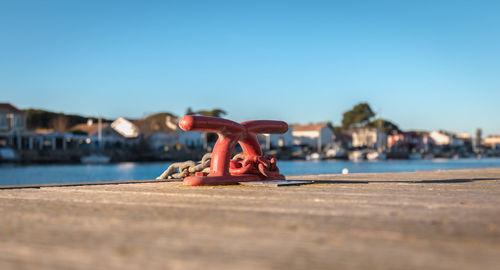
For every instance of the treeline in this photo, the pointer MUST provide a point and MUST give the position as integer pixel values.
(361, 115)
(42, 119)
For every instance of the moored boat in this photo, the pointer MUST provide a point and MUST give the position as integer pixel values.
(415, 156)
(356, 156)
(95, 159)
(314, 156)
(373, 156)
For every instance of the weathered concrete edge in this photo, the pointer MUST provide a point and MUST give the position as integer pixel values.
(313, 177)
(118, 182)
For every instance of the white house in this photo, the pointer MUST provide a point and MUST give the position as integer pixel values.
(443, 138)
(89, 132)
(269, 141)
(492, 141)
(11, 118)
(369, 137)
(161, 131)
(314, 135)
(126, 128)
(13, 131)
(190, 138)
(364, 137)
(158, 140)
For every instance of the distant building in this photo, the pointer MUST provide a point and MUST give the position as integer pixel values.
(88, 133)
(444, 138)
(161, 131)
(171, 122)
(190, 138)
(369, 138)
(159, 140)
(52, 140)
(11, 118)
(314, 135)
(15, 135)
(126, 128)
(343, 139)
(13, 132)
(478, 140)
(90, 128)
(364, 137)
(268, 141)
(467, 141)
(492, 141)
(408, 141)
(464, 136)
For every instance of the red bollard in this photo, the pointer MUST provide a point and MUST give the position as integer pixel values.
(251, 166)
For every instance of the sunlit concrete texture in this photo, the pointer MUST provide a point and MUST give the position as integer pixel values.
(421, 220)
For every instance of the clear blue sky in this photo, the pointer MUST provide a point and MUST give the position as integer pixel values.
(422, 64)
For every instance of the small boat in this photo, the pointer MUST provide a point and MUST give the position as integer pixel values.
(356, 156)
(7, 154)
(373, 156)
(415, 156)
(95, 159)
(313, 157)
(334, 151)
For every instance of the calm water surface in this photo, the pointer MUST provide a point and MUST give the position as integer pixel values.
(41, 174)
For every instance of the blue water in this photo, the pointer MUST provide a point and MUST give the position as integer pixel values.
(42, 174)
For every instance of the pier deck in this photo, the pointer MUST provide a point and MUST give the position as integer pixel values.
(421, 220)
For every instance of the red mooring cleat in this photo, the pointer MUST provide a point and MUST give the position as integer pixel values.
(249, 166)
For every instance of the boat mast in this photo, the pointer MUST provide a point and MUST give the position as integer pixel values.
(99, 133)
(379, 132)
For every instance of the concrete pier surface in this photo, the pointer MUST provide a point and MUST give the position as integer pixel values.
(419, 220)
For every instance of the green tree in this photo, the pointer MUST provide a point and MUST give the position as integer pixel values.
(214, 112)
(359, 115)
(385, 125)
(189, 111)
(59, 121)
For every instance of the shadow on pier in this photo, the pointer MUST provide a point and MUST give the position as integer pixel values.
(440, 181)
